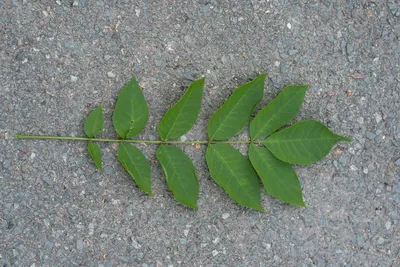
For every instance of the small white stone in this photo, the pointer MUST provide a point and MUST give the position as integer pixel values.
(339, 34)
(214, 253)
(216, 240)
(289, 26)
(186, 232)
(277, 63)
(137, 11)
(183, 138)
(74, 78)
(378, 117)
(110, 74)
(380, 240)
(360, 120)
(365, 170)
(33, 155)
(75, 3)
(45, 13)
(240, 18)
(353, 168)
(388, 224)
(135, 244)
(225, 216)
(58, 2)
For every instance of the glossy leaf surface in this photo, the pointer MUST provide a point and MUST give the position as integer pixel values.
(95, 153)
(180, 174)
(302, 143)
(234, 173)
(94, 124)
(235, 113)
(278, 177)
(278, 112)
(131, 111)
(182, 116)
(136, 164)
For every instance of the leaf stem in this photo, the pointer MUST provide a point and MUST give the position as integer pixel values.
(73, 138)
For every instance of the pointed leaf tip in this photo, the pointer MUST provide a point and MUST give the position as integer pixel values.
(234, 173)
(136, 164)
(180, 174)
(302, 143)
(278, 112)
(95, 152)
(182, 116)
(94, 124)
(131, 110)
(279, 178)
(235, 113)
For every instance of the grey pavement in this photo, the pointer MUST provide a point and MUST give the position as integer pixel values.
(59, 59)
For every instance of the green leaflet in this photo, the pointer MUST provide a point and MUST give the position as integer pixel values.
(180, 174)
(303, 143)
(94, 124)
(95, 153)
(234, 173)
(131, 111)
(235, 113)
(136, 164)
(181, 117)
(279, 178)
(278, 112)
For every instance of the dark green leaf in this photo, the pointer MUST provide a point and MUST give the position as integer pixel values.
(94, 123)
(235, 113)
(131, 111)
(278, 112)
(136, 164)
(303, 143)
(180, 174)
(279, 178)
(234, 173)
(95, 152)
(181, 117)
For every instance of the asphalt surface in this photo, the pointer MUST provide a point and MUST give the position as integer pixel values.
(59, 59)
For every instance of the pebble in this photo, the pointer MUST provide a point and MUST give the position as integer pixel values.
(370, 136)
(152, 137)
(108, 170)
(183, 241)
(292, 52)
(183, 138)
(353, 168)
(388, 224)
(289, 26)
(215, 252)
(74, 78)
(140, 256)
(79, 244)
(6, 164)
(75, 3)
(110, 74)
(365, 170)
(380, 240)
(225, 216)
(135, 244)
(397, 162)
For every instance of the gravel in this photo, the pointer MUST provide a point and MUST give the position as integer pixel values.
(62, 58)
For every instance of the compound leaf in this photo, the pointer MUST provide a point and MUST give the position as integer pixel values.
(136, 164)
(94, 124)
(131, 111)
(235, 113)
(181, 117)
(95, 153)
(278, 177)
(278, 112)
(180, 174)
(234, 173)
(303, 143)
